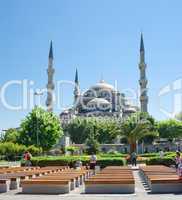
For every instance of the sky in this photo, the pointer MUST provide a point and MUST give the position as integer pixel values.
(99, 37)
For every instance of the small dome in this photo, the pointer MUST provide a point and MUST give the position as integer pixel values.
(102, 85)
(130, 109)
(65, 112)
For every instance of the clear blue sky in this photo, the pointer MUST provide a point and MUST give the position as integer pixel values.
(98, 37)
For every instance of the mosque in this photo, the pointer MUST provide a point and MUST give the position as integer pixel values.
(101, 99)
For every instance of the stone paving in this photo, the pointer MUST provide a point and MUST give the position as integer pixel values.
(140, 194)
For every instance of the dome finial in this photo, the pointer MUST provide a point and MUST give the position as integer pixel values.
(101, 78)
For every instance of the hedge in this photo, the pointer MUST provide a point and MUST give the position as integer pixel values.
(168, 161)
(150, 155)
(113, 155)
(69, 160)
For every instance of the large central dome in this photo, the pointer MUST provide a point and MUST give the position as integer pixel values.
(102, 85)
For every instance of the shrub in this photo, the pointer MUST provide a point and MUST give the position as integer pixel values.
(147, 155)
(168, 161)
(111, 155)
(57, 160)
(12, 151)
(69, 160)
(72, 149)
(34, 150)
(104, 162)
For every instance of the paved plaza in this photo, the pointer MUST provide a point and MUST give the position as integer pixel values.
(141, 194)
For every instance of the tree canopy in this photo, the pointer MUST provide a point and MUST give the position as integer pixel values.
(40, 128)
(136, 127)
(170, 129)
(10, 135)
(102, 129)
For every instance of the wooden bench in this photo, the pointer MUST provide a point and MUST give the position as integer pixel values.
(36, 186)
(16, 177)
(109, 186)
(66, 180)
(161, 179)
(74, 179)
(111, 180)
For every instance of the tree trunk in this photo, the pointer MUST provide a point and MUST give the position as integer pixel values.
(133, 147)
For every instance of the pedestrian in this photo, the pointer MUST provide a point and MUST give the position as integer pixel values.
(134, 158)
(27, 158)
(180, 169)
(177, 159)
(161, 154)
(93, 161)
(78, 164)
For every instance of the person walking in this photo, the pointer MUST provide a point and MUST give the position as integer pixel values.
(134, 158)
(27, 157)
(180, 169)
(177, 159)
(161, 154)
(78, 164)
(93, 161)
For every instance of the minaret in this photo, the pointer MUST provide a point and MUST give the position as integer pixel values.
(50, 84)
(143, 80)
(76, 89)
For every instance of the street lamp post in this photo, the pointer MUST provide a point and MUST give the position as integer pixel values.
(36, 94)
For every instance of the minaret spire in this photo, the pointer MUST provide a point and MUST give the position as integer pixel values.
(51, 51)
(142, 43)
(50, 84)
(76, 76)
(143, 80)
(76, 90)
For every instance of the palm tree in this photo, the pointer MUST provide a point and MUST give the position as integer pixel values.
(136, 127)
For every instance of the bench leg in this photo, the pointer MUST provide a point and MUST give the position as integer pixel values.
(14, 185)
(5, 187)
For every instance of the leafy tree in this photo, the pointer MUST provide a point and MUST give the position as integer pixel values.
(170, 129)
(108, 130)
(104, 130)
(92, 145)
(78, 130)
(11, 135)
(136, 127)
(40, 128)
(35, 151)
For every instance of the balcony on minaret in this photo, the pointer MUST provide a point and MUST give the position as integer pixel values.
(143, 82)
(142, 65)
(50, 86)
(50, 71)
(144, 98)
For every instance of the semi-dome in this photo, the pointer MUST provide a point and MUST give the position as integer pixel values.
(102, 85)
(130, 109)
(98, 101)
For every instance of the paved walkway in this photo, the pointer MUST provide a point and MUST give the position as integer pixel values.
(141, 194)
